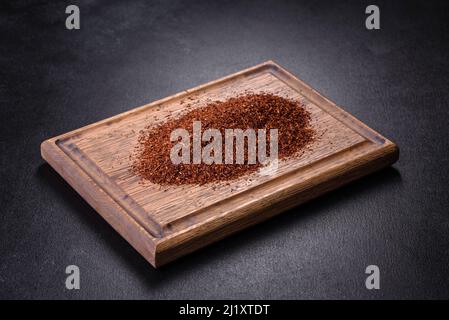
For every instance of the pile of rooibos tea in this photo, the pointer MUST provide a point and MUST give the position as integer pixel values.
(152, 162)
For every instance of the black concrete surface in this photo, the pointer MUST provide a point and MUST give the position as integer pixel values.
(128, 53)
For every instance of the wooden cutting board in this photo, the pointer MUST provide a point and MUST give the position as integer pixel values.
(163, 223)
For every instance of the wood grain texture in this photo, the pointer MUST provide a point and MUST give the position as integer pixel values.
(163, 223)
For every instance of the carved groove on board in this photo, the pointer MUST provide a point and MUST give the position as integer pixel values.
(111, 188)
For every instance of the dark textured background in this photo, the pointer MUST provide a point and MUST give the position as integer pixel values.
(128, 53)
